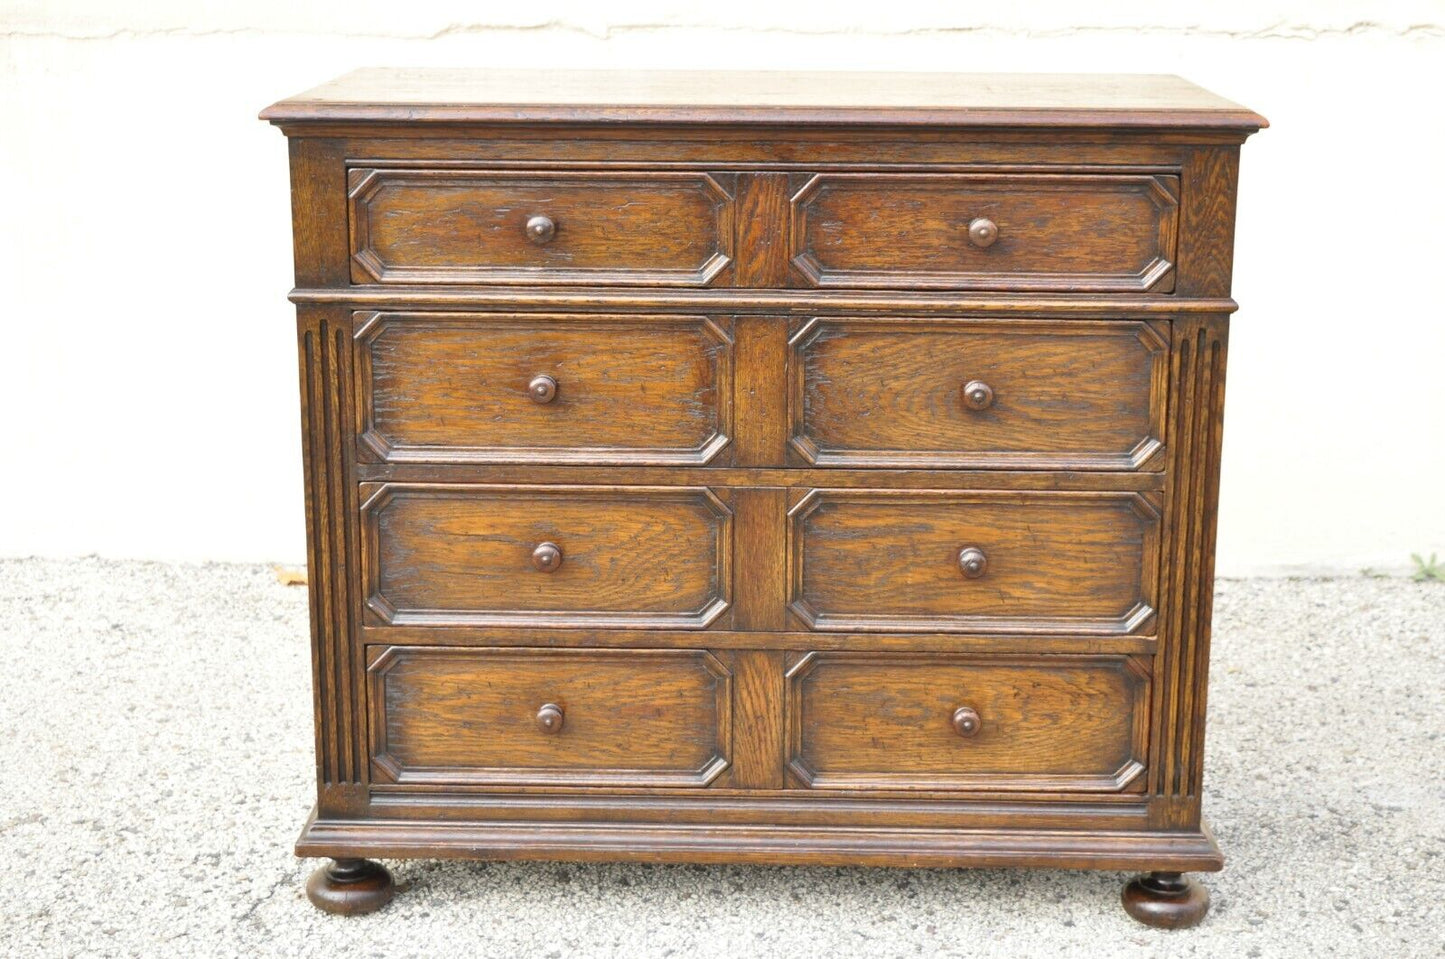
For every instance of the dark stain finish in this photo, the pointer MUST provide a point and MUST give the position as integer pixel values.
(943, 722)
(1051, 563)
(651, 228)
(922, 392)
(1020, 231)
(500, 388)
(548, 717)
(768, 468)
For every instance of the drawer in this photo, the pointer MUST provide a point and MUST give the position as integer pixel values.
(499, 388)
(974, 561)
(478, 555)
(907, 721)
(967, 231)
(979, 394)
(467, 226)
(488, 716)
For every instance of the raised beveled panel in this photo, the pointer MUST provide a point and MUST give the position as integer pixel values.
(463, 555)
(1048, 723)
(1063, 232)
(468, 716)
(1056, 562)
(656, 228)
(453, 388)
(889, 392)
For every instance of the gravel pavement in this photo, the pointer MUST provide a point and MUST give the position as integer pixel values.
(156, 764)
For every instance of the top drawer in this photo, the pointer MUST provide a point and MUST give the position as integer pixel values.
(611, 229)
(1015, 231)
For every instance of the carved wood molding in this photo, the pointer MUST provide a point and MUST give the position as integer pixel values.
(378, 496)
(1134, 672)
(368, 266)
(800, 303)
(331, 528)
(1145, 454)
(1182, 666)
(1155, 274)
(881, 845)
(392, 770)
(1137, 618)
(376, 447)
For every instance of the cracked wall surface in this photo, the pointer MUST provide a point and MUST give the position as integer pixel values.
(1270, 19)
(1278, 30)
(146, 255)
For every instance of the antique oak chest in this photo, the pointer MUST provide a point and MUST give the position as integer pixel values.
(762, 467)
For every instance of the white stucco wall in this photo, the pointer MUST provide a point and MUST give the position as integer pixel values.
(148, 390)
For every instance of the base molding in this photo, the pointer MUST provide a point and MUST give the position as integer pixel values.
(1182, 851)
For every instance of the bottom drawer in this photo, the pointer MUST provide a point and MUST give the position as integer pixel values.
(560, 717)
(953, 722)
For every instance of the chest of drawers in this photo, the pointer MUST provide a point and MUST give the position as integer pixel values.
(771, 468)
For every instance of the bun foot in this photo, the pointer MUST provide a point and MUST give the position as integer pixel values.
(350, 887)
(1166, 900)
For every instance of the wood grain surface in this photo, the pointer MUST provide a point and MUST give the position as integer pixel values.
(805, 468)
(872, 721)
(888, 392)
(462, 555)
(887, 560)
(453, 388)
(636, 717)
(456, 226)
(421, 96)
(1055, 232)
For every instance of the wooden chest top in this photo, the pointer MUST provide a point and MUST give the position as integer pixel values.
(769, 97)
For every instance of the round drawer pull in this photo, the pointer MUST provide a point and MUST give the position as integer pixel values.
(547, 557)
(549, 719)
(973, 563)
(977, 395)
(541, 229)
(982, 232)
(542, 389)
(967, 722)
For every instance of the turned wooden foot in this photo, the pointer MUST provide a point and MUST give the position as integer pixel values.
(1166, 900)
(350, 887)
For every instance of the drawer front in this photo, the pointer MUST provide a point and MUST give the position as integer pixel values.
(979, 394)
(475, 555)
(974, 562)
(901, 721)
(460, 226)
(1110, 232)
(499, 388)
(487, 716)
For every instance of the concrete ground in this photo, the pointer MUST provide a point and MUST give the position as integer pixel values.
(156, 763)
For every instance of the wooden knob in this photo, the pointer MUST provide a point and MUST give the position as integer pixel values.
(973, 563)
(977, 395)
(542, 389)
(549, 719)
(966, 721)
(982, 232)
(541, 229)
(547, 557)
